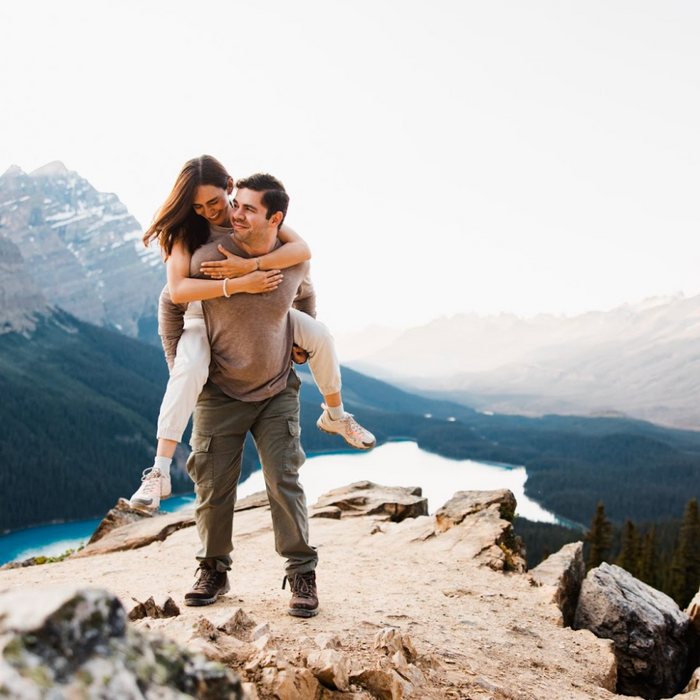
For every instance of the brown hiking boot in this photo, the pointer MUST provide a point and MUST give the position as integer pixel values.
(210, 585)
(304, 602)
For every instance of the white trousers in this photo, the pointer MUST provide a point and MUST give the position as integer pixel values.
(191, 367)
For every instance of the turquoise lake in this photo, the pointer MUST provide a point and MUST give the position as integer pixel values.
(392, 464)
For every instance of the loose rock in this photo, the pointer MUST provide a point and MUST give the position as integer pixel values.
(395, 503)
(564, 572)
(78, 643)
(652, 638)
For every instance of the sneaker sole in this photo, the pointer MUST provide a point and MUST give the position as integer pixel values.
(355, 447)
(298, 612)
(195, 602)
(142, 506)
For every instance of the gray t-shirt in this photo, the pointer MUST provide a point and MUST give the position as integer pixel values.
(250, 334)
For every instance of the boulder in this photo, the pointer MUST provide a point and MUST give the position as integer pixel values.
(479, 524)
(395, 503)
(652, 638)
(693, 611)
(126, 528)
(77, 642)
(121, 514)
(140, 533)
(563, 572)
(466, 503)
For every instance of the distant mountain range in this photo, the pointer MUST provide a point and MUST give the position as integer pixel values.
(81, 248)
(80, 401)
(642, 361)
(79, 406)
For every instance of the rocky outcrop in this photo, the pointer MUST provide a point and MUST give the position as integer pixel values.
(122, 514)
(73, 643)
(323, 667)
(409, 611)
(484, 518)
(82, 245)
(564, 573)
(653, 640)
(394, 503)
(136, 534)
(125, 528)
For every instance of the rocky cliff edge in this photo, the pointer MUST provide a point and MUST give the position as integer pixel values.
(412, 605)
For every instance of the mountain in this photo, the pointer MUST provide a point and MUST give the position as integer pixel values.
(21, 301)
(79, 413)
(82, 248)
(80, 404)
(78, 419)
(636, 360)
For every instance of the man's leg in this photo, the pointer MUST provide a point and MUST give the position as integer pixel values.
(220, 426)
(277, 437)
(276, 433)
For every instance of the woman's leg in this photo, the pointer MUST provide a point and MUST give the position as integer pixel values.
(315, 338)
(189, 374)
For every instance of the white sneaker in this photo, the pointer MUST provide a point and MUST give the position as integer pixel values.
(155, 486)
(348, 428)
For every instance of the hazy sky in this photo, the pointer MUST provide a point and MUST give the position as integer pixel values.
(441, 157)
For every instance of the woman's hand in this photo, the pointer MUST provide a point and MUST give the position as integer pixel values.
(260, 282)
(233, 266)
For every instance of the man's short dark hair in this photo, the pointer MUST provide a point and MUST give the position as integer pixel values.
(274, 198)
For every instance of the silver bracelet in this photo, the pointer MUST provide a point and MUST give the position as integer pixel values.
(226, 294)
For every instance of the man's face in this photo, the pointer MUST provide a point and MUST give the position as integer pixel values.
(248, 217)
(212, 203)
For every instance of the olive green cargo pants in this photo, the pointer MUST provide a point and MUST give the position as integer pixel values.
(220, 427)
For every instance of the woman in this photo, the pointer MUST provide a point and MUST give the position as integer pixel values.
(198, 209)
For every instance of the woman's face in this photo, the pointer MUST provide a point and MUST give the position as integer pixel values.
(212, 203)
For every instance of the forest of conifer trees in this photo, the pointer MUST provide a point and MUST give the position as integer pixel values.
(663, 554)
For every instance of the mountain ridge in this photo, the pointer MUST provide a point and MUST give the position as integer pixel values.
(81, 247)
(637, 360)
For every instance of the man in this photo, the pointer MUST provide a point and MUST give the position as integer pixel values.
(252, 388)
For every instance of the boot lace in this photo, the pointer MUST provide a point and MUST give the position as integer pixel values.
(206, 576)
(302, 585)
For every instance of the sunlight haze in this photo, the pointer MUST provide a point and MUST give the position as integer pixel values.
(441, 158)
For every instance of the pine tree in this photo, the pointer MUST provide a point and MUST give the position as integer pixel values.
(685, 564)
(599, 537)
(631, 546)
(649, 564)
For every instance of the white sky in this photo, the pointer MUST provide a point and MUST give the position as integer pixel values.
(442, 157)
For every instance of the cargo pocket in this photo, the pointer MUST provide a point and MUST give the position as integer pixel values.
(294, 456)
(200, 464)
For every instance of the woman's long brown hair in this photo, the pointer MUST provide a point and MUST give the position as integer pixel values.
(175, 221)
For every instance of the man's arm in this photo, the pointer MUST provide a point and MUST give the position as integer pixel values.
(171, 322)
(305, 299)
(293, 251)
